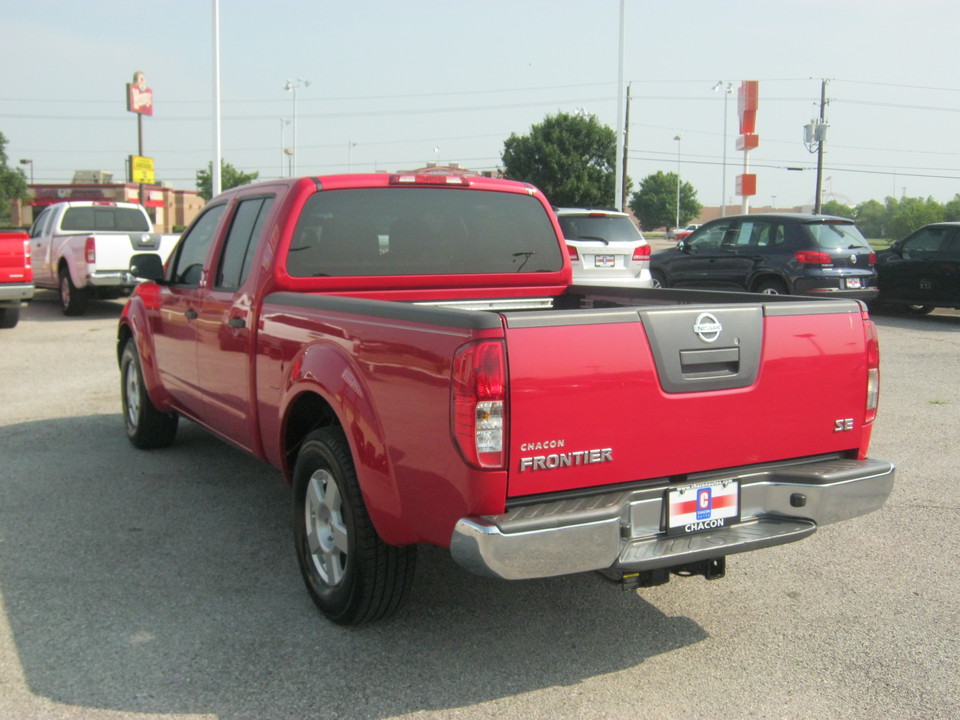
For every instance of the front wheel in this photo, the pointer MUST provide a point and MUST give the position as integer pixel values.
(658, 281)
(73, 300)
(147, 427)
(351, 574)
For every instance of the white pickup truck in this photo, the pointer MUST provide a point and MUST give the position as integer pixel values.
(83, 249)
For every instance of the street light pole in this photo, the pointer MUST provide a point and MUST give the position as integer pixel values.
(723, 183)
(292, 86)
(678, 138)
(27, 161)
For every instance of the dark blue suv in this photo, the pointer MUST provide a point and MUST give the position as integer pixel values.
(772, 253)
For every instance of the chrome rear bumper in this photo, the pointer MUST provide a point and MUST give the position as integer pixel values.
(623, 530)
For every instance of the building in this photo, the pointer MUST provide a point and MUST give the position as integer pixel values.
(171, 210)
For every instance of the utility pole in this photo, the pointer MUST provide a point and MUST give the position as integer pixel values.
(626, 143)
(821, 137)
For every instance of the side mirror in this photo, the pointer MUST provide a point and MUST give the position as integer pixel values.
(147, 266)
(682, 246)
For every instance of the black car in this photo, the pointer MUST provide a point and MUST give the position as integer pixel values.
(772, 253)
(922, 271)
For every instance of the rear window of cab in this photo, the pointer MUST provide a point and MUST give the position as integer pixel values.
(421, 231)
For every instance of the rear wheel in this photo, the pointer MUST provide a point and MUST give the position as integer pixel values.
(73, 300)
(9, 316)
(147, 427)
(351, 574)
(771, 286)
(920, 309)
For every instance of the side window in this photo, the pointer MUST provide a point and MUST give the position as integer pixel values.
(951, 247)
(241, 242)
(743, 236)
(43, 219)
(709, 238)
(768, 235)
(192, 251)
(924, 244)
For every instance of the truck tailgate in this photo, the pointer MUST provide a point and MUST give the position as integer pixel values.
(114, 250)
(600, 397)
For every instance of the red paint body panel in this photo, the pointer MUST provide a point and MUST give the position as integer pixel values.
(15, 258)
(603, 392)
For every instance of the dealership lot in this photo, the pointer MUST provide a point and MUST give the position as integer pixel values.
(164, 584)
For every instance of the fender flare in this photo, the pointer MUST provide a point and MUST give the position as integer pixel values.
(326, 370)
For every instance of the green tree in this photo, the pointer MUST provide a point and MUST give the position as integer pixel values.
(907, 214)
(835, 207)
(13, 181)
(871, 218)
(571, 158)
(229, 177)
(655, 203)
(951, 211)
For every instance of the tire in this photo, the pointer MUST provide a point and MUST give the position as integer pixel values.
(351, 574)
(73, 300)
(147, 427)
(771, 286)
(658, 279)
(920, 309)
(9, 317)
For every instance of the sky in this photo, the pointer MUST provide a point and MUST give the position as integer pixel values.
(393, 85)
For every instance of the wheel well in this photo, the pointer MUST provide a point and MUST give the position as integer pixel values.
(757, 282)
(123, 334)
(307, 413)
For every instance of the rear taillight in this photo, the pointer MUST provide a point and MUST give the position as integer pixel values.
(572, 252)
(26, 255)
(641, 252)
(873, 258)
(813, 257)
(873, 368)
(90, 251)
(479, 403)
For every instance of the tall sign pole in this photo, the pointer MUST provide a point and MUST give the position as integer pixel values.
(140, 101)
(748, 100)
(215, 178)
(618, 172)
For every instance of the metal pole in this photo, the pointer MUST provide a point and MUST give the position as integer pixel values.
(215, 179)
(819, 194)
(723, 182)
(619, 171)
(626, 143)
(677, 219)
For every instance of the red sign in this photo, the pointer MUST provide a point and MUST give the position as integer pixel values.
(748, 97)
(746, 184)
(139, 96)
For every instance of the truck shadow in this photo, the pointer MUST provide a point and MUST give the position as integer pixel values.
(165, 582)
(45, 307)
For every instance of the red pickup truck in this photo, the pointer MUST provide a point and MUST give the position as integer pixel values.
(16, 275)
(410, 352)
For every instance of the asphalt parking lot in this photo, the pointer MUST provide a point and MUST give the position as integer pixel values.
(164, 585)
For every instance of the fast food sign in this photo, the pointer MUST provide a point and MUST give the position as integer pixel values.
(139, 96)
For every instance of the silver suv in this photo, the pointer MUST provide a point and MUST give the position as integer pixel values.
(605, 248)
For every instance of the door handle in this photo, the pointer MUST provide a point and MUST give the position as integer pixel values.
(191, 314)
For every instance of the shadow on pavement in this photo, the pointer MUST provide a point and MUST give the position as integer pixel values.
(166, 582)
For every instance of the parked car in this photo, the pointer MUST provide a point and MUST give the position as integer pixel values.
(922, 271)
(16, 275)
(684, 233)
(605, 247)
(774, 254)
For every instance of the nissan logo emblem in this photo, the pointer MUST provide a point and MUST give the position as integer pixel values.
(707, 327)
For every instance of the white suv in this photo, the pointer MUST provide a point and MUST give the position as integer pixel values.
(605, 247)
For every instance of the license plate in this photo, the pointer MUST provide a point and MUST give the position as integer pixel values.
(853, 283)
(702, 507)
(605, 261)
